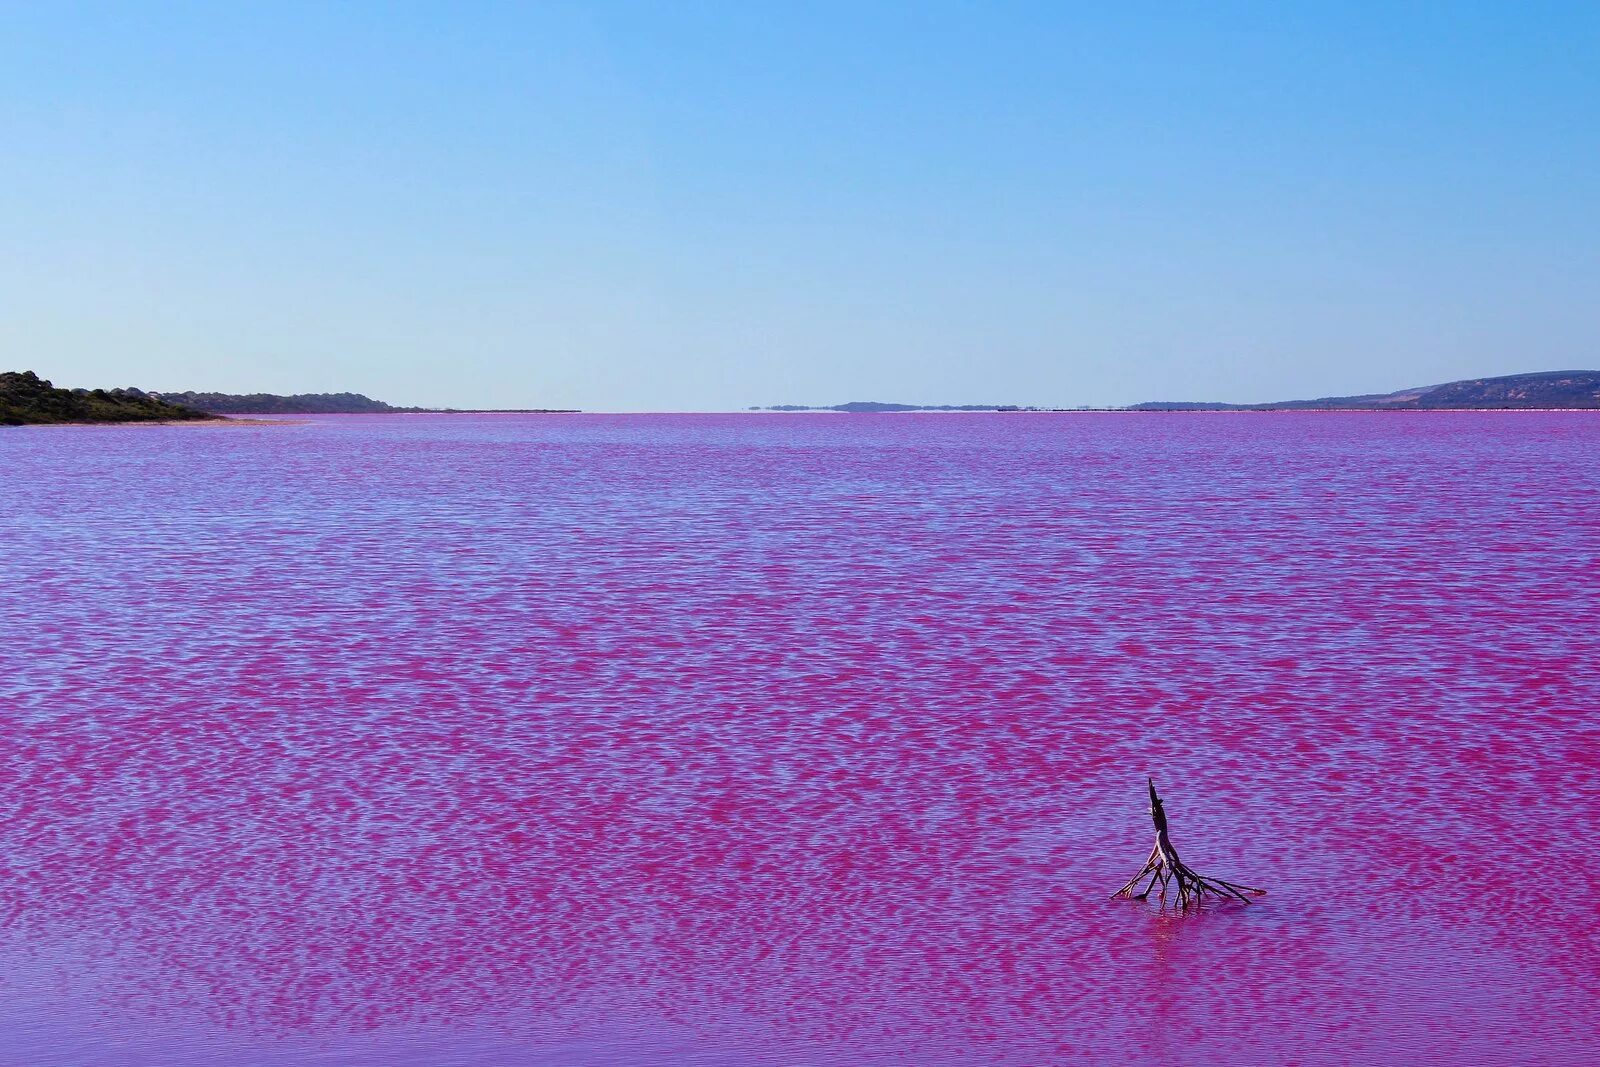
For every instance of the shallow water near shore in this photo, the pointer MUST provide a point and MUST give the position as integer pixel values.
(761, 739)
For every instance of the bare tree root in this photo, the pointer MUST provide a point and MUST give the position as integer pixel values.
(1165, 869)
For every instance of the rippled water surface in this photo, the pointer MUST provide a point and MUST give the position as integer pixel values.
(811, 739)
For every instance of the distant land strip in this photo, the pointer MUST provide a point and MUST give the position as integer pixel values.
(1542, 389)
(1567, 389)
(27, 399)
(870, 406)
(322, 404)
(273, 404)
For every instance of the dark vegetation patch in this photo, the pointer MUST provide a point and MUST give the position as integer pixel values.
(27, 398)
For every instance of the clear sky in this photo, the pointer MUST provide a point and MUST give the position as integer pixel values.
(687, 206)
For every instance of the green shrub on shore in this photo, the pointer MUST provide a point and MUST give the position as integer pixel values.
(27, 398)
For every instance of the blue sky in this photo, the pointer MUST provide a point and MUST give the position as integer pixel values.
(706, 206)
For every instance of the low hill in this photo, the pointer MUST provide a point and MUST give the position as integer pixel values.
(273, 404)
(1544, 389)
(27, 398)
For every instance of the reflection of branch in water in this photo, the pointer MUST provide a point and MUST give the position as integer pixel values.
(1164, 866)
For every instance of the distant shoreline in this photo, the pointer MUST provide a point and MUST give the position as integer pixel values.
(1149, 411)
(935, 411)
(1553, 390)
(307, 420)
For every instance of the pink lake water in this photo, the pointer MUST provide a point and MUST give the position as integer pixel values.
(799, 739)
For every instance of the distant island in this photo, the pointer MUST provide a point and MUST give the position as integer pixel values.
(1544, 389)
(877, 406)
(26, 398)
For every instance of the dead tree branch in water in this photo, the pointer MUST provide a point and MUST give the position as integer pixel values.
(1164, 867)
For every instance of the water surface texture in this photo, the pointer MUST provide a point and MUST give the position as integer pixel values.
(799, 739)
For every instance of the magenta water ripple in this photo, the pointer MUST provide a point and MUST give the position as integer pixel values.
(772, 739)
